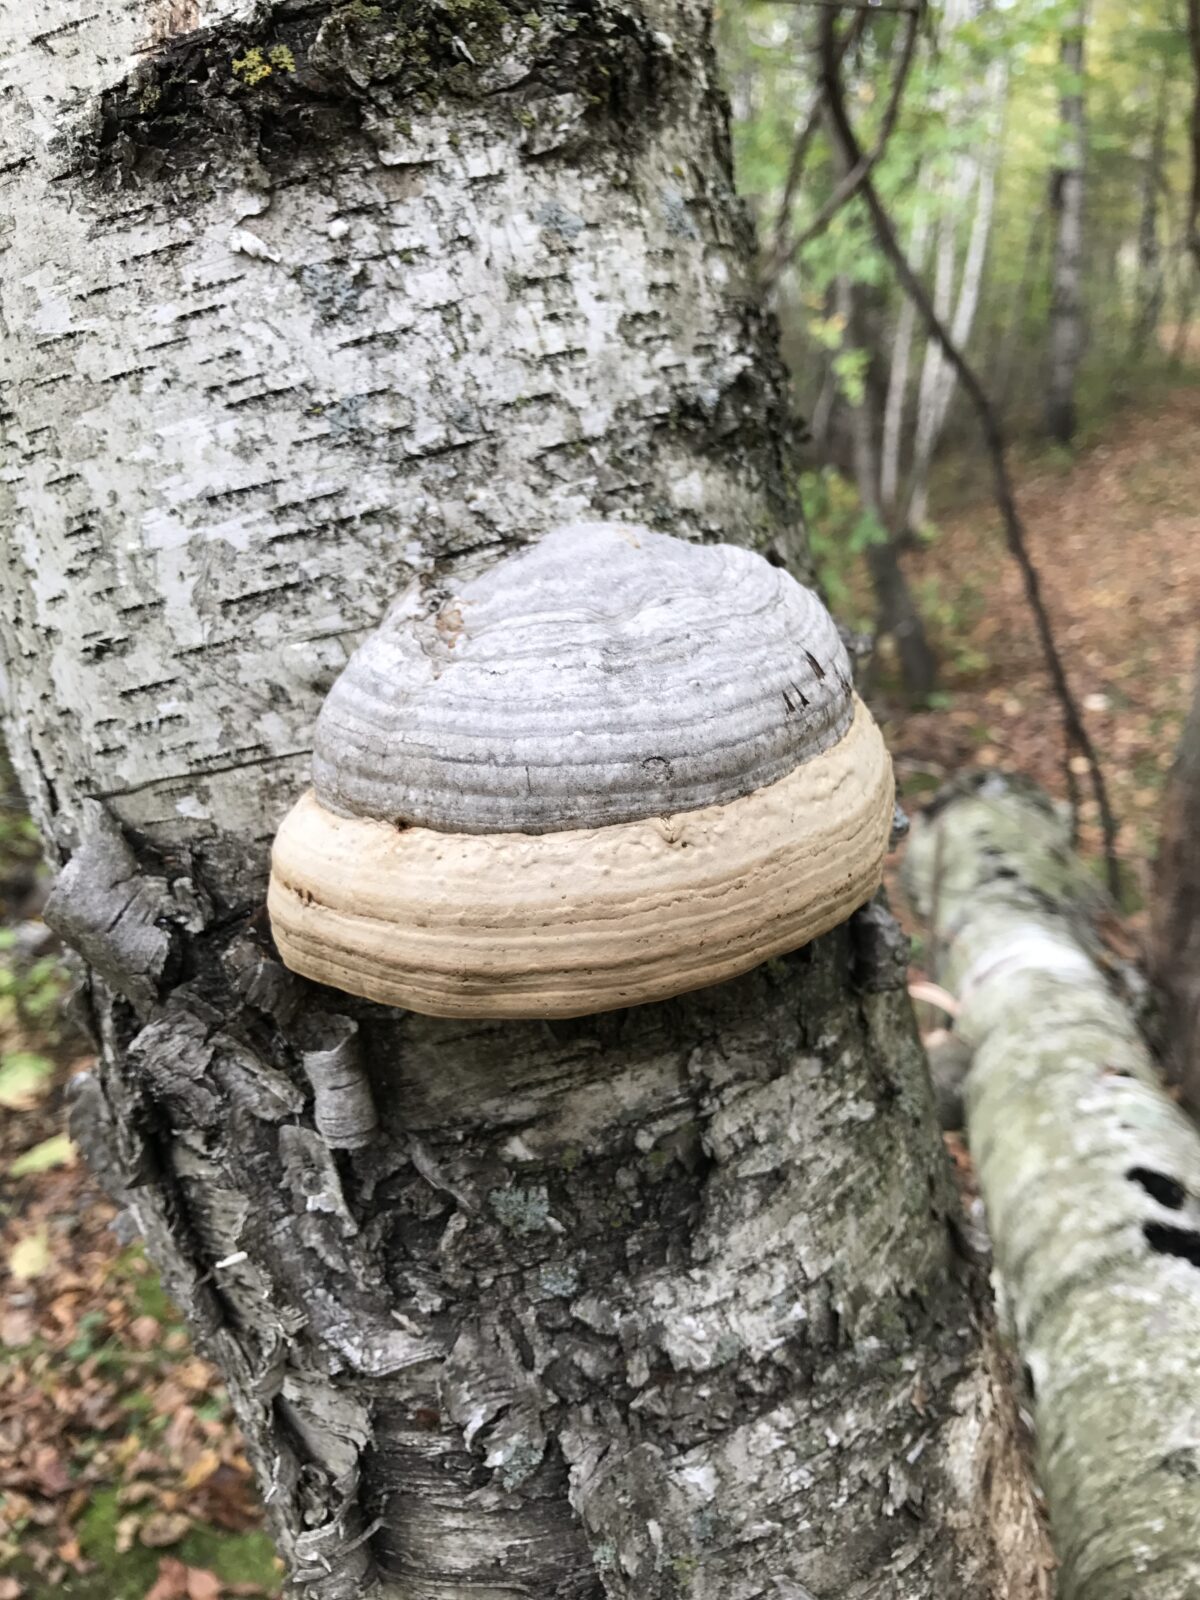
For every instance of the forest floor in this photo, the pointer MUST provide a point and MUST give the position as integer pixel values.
(121, 1473)
(1115, 533)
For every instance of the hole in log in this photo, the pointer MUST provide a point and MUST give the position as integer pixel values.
(1159, 1187)
(1167, 1241)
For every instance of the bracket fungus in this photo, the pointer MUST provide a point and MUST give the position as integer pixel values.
(614, 768)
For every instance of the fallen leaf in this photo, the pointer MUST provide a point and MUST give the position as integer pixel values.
(16, 1329)
(47, 1471)
(171, 1583)
(202, 1584)
(201, 1469)
(126, 1533)
(69, 1552)
(163, 1528)
(30, 1256)
(136, 1494)
(195, 1375)
(145, 1332)
(56, 1152)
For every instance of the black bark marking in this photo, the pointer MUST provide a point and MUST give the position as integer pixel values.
(1167, 1191)
(1165, 1240)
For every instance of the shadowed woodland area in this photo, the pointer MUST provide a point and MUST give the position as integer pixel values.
(1000, 479)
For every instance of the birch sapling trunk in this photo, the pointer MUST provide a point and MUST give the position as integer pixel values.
(302, 301)
(1067, 202)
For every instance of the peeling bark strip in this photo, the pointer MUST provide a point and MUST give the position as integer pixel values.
(343, 1109)
(656, 1304)
(1091, 1178)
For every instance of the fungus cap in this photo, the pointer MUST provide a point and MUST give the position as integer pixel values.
(614, 768)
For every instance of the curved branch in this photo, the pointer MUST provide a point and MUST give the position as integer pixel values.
(804, 138)
(989, 424)
(863, 163)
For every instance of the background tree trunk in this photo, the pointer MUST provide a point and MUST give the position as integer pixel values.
(298, 304)
(898, 614)
(977, 176)
(1067, 199)
(1151, 281)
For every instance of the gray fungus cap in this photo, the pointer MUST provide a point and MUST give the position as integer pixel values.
(614, 768)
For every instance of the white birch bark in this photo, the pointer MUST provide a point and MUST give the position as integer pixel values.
(1066, 307)
(300, 301)
(898, 367)
(938, 379)
(1091, 1178)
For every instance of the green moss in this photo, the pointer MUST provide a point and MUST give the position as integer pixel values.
(152, 1298)
(234, 1557)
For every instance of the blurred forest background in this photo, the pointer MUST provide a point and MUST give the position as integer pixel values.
(1035, 160)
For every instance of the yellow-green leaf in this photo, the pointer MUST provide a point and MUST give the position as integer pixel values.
(31, 1255)
(56, 1152)
(24, 1079)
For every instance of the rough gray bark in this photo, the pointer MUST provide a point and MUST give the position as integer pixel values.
(1067, 199)
(1091, 1178)
(301, 301)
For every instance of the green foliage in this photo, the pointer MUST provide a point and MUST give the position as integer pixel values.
(1136, 59)
(55, 1152)
(24, 1078)
(840, 530)
(951, 615)
(31, 993)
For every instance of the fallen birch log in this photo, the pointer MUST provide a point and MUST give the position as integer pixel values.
(1090, 1176)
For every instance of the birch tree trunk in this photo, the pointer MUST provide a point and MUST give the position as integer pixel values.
(1067, 192)
(898, 613)
(978, 175)
(301, 300)
(1151, 281)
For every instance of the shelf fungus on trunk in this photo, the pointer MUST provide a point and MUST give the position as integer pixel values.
(614, 768)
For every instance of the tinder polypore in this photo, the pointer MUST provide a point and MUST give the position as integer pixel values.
(614, 768)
